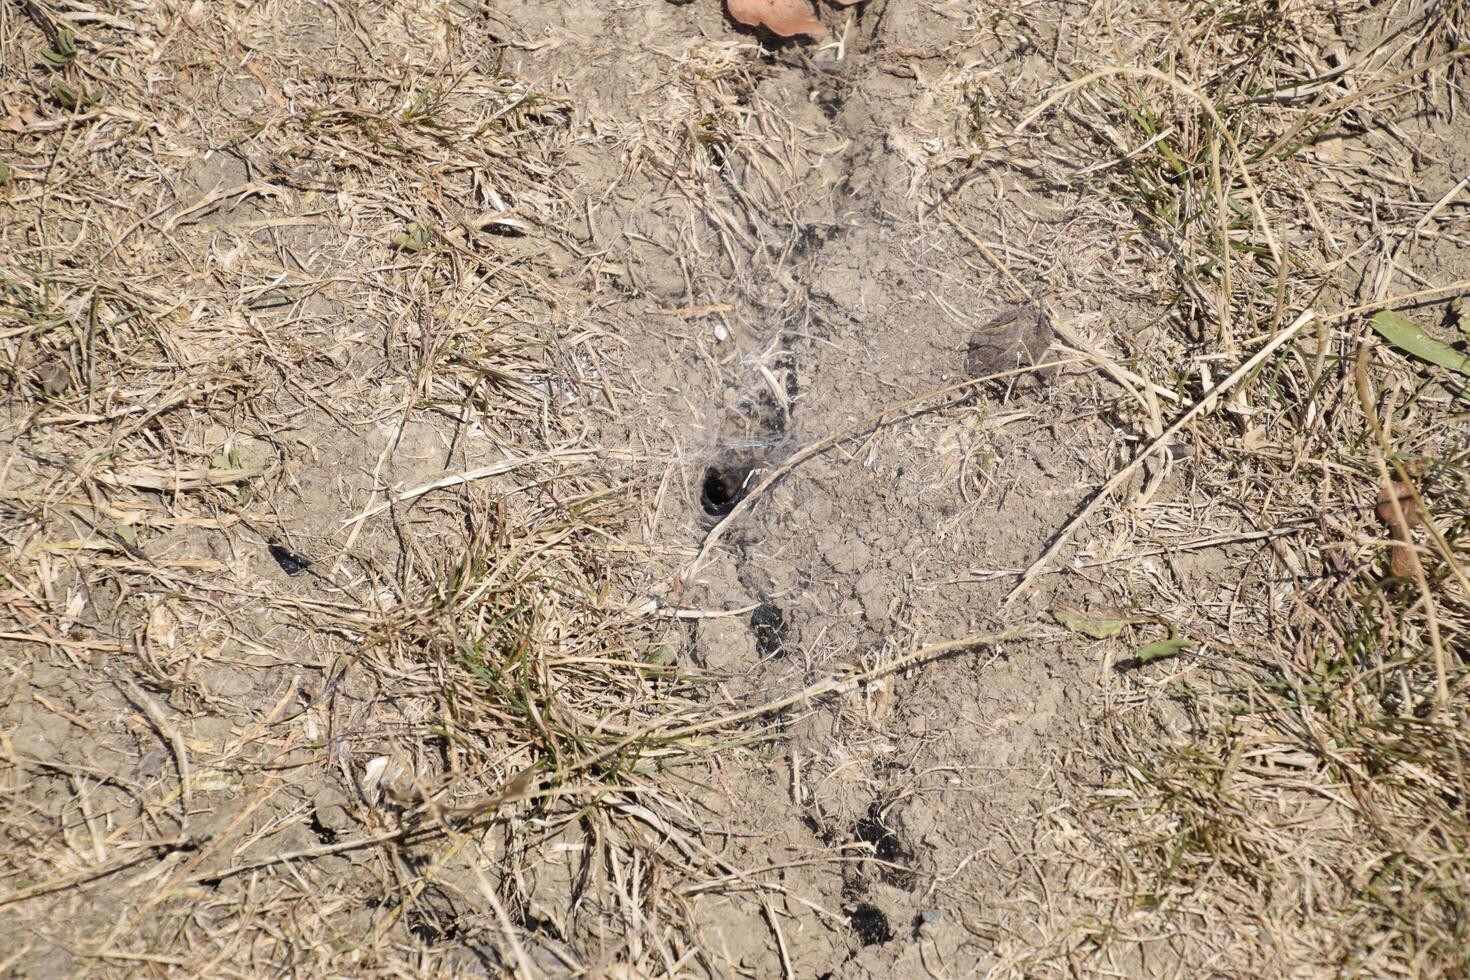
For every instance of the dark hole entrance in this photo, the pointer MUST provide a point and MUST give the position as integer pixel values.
(870, 924)
(872, 830)
(722, 489)
(290, 562)
(427, 933)
(768, 623)
(323, 833)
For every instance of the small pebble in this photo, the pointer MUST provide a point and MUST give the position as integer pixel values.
(1016, 338)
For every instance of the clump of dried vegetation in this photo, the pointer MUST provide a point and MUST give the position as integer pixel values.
(1293, 796)
(449, 722)
(485, 726)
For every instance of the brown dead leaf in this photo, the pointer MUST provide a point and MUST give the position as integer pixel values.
(1401, 521)
(787, 18)
(1253, 438)
(18, 117)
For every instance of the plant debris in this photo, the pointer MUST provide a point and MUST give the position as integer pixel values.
(1410, 338)
(788, 18)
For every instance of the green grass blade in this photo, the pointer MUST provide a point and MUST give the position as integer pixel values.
(1406, 335)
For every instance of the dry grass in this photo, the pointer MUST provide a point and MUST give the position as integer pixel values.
(455, 740)
(1290, 798)
(220, 334)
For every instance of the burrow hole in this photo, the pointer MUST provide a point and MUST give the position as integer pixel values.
(871, 925)
(725, 483)
(872, 829)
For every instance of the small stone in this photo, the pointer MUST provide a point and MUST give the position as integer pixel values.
(330, 806)
(54, 378)
(1017, 338)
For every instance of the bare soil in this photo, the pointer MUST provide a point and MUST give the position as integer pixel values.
(272, 702)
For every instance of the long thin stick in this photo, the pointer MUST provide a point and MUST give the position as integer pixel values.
(481, 473)
(841, 685)
(144, 852)
(181, 753)
(1205, 404)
